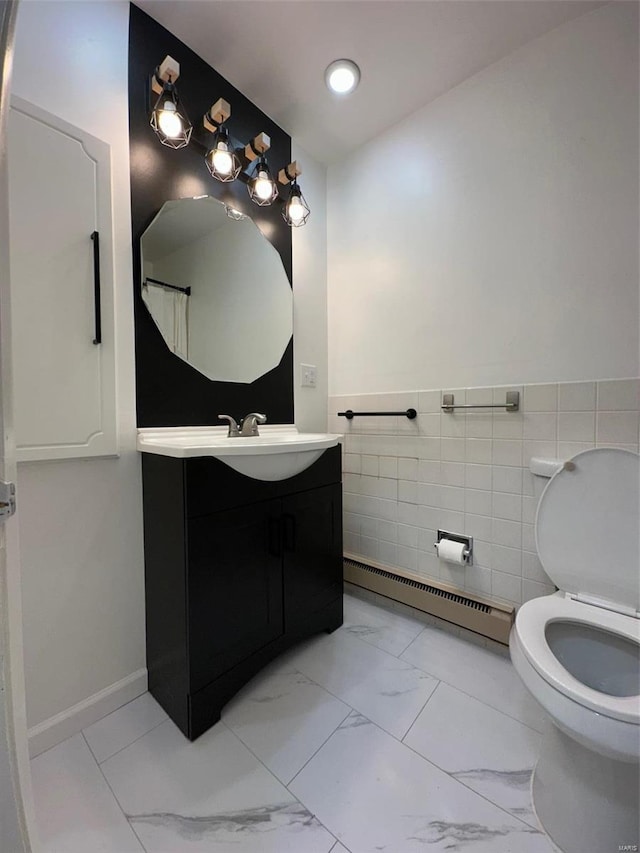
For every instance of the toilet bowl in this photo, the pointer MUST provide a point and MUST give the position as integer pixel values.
(578, 652)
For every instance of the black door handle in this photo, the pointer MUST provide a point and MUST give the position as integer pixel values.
(96, 287)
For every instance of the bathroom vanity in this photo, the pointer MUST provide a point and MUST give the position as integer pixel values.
(237, 569)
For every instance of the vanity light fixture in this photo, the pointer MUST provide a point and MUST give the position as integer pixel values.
(168, 119)
(222, 161)
(342, 76)
(262, 188)
(296, 210)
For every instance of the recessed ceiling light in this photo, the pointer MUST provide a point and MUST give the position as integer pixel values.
(342, 76)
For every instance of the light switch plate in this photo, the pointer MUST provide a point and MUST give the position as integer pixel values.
(308, 375)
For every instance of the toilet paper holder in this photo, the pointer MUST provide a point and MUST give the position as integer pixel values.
(467, 541)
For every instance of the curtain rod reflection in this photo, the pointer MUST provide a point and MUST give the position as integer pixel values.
(158, 283)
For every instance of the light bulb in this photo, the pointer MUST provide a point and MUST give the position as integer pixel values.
(169, 121)
(263, 185)
(342, 76)
(296, 210)
(222, 161)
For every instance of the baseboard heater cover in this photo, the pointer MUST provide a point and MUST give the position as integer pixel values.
(476, 613)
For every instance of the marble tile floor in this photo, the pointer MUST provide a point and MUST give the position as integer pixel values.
(393, 734)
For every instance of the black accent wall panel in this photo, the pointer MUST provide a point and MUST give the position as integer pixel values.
(169, 391)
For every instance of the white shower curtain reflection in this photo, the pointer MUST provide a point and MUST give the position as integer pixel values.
(170, 310)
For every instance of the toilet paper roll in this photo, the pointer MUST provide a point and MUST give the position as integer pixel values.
(452, 552)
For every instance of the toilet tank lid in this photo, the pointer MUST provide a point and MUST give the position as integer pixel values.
(588, 526)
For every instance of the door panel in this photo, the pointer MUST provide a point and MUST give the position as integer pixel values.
(235, 588)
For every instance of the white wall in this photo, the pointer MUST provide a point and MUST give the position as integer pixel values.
(310, 295)
(81, 521)
(492, 237)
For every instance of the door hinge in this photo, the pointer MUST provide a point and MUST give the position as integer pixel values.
(7, 499)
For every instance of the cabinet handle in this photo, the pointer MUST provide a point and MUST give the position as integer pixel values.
(96, 286)
(289, 532)
(275, 537)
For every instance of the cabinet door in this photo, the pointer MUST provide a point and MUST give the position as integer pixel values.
(234, 588)
(59, 195)
(312, 546)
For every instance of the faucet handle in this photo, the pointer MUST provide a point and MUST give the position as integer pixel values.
(233, 426)
(249, 424)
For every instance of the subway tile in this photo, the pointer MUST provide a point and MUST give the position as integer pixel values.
(477, 502)
(369, 527)
(540, 426)
(407, 491)
(452, 424)
(507, 424)
(351, 542)
(351, 522)
(478, 450)
(430, 448)
(479, 396)
(407, 469)
(505, 559)
(388, 467)
(540, 398)
(478, 526)
(576, 426)
(429, 424)
(477, 476)
(507, 533)
(428, 565)
(452, 449)
(408, 535)
(426, 539)
(451, 521)
(429, 517)
(617, 427)
(477, 579)
(369, 466)
(351, 463)
(577, 396)
(369, 547)
(532, 568)
(507, 479)
(478, 425)
(546, 449)
(619, 395)
(529, 508)
(482, 553)
(452, 473)
(407, 513)
(388, 553)
(407, 558)
(507, 587)
(507, 506)
(452, 574)
(428, 471)
(532, 589)
(506, 452)
(429, 494)
(568, 449)
(429, 401)
(387, 530)
(528, 538)
(452, 497)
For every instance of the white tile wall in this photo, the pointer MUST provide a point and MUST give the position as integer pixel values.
(468, 472)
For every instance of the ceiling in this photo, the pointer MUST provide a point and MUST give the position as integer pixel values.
(409, 53)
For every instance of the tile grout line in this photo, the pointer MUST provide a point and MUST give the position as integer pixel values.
(286, 787)
(113, 794)
(293, 778)
(135, 740)
(435, 690)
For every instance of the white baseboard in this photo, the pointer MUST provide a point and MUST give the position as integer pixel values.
(62, 726)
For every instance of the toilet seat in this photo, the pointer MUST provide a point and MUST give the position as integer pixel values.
(531, 623)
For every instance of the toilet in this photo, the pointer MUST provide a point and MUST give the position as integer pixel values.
(578, 653)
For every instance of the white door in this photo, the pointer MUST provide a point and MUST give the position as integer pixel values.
(61, 288)
(15, 783)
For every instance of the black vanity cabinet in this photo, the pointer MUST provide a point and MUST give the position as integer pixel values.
(236, 570)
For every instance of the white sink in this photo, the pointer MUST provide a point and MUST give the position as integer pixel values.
(277, 453)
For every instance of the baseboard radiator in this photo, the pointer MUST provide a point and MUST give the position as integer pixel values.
(476, 613)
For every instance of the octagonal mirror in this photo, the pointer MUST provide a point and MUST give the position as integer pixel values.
(216, 289)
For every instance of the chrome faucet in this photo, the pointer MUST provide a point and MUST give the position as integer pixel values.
(249, 424)
(234, 431)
